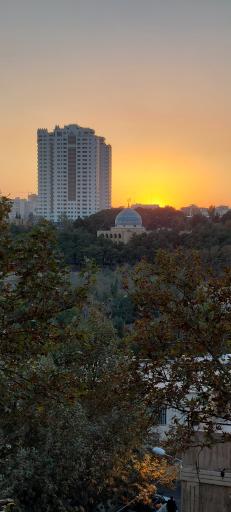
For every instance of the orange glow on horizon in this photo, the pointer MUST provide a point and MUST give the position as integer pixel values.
(145, 176)
(159, 93)
(176, 180)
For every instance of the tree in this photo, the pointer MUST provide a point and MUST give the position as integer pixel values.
(198, 219)
(226, 218)
(166, 217)
(72, 417)
(212, 214)
(103, 219)
(182, 332)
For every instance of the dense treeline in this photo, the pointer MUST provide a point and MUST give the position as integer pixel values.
(166, 227)
(77, 400)
(72, 419)
(166, 217)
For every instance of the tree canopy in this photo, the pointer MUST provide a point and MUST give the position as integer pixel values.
(72, 420)
(167, 229)
(78, 403)
(183, 333)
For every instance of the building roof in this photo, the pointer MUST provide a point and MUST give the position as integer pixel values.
(128, 218)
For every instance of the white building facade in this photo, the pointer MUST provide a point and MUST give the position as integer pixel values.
(24, 209)
(74, 173)
(128, 223)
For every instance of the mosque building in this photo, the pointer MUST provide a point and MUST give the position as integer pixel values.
(128, 222)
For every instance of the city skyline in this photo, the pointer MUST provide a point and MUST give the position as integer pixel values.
(153, 77)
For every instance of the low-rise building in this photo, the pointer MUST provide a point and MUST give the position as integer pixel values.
(205, 468)
(22, 208)
(150, 206)
(221, 210)
(193, 209)
(127, 223)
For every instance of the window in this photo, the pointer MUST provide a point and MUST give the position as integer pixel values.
(162, 420)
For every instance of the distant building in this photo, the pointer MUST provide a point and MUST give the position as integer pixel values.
(204, 212)
(150, 206)
(193, 209)
(221, 210)
(74, 173)
(23, 209)
(18, 210)
(128, 222)
(32, 204)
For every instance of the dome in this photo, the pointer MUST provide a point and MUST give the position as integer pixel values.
(128, 218)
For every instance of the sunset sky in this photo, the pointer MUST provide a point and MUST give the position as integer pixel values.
(152, 76)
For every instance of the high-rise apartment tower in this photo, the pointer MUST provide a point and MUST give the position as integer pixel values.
(74, 173)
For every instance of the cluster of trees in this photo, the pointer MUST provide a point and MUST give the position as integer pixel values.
(213, 240)
(72, 422)
(77, 402)
(166, 217)
(183, 333)
(166, 227)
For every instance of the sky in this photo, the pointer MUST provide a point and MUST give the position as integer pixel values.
(151, 76)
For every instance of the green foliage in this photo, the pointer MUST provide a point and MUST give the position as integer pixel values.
(166, 217)
(70, 409)
(74, 405)
(110, 295)
(101, 220)
(169, 230)
(166, 227)
(182, 331)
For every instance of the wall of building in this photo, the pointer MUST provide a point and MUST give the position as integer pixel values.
(104, 175)
(22, 209)
(121, 234)
(204, 489)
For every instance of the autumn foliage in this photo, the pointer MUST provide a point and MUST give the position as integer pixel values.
(73, 424)
(183, 334)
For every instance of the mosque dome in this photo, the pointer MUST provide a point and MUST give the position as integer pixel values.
(128, 218)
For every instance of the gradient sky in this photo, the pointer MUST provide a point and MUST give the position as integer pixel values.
(152, 76)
